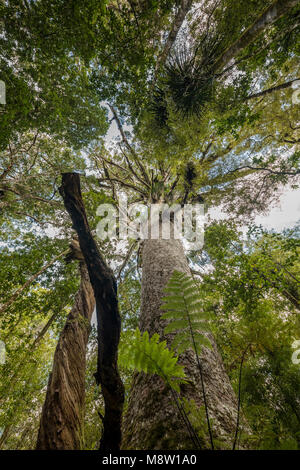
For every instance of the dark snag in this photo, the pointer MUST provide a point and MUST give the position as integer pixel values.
(109, 322)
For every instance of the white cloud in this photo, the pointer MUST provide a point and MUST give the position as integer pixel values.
(285, 214)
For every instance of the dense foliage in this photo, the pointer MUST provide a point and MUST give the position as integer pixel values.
(189, 128)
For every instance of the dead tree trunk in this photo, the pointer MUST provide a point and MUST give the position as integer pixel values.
(109, 322)
(63, 410)
(152, 420)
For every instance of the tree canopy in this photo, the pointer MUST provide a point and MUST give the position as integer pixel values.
(168, 101)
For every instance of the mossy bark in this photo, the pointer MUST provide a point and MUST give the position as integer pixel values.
(152, 421)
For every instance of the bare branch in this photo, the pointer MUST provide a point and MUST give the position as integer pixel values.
(129, 147)
(274, 172)
(126, 259)
(274, 88)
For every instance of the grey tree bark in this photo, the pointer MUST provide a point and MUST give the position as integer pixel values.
(152, 421)
(63, 410)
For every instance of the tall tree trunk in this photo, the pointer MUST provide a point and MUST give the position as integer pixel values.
(152, 421)
(63, 410)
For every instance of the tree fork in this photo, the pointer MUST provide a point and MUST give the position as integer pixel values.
(108, 317)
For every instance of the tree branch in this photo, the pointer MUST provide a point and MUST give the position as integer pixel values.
(126, 259)
(268, 17)
(177, 23)
(274, 88)
(273, 172)
(129, 147)
(124, 183)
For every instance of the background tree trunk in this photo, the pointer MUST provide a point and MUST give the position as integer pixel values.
(152, 420)
(271, 14)
(63, 410)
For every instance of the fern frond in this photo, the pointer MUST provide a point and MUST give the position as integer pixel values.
(186, 313)
(189, 320)
(150, 355)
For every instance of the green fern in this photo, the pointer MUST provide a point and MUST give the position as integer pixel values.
(186, 314)
(151, 356)
(188, 320)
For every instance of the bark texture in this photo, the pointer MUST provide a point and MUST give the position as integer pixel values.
(108, 317)
(63, 410)
(152, 420)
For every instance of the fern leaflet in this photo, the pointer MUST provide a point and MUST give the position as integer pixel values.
(185, 312)
(151, 356)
